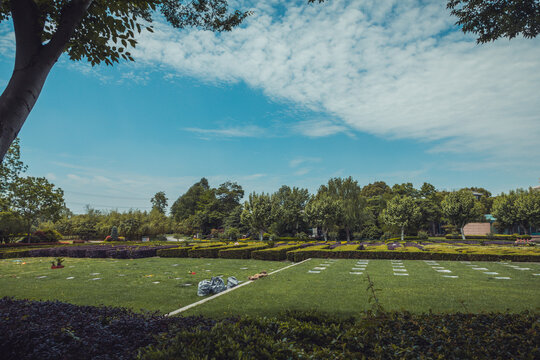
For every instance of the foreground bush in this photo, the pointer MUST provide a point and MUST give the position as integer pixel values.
(386, 336)
(55, 330)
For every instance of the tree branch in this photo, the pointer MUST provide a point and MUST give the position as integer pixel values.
(70, 18)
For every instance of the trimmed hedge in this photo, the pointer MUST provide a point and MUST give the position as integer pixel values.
(211, 251)
(10, 254)
(240, 253)
(297, 256)
(275, 254)
(490, 237)
(180, 252)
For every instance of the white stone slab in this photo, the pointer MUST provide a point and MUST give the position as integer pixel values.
(443, 271)
(398, 266)
(319, 268)
(437, 267)
(502, 277)
(465, 262)
(177, 278)
(155, 282)
(121, 275)
(400, 270)
(244, 268)
(450, 276)
(491, 273)
(522, 268)
(207, 270)
(70, 278)
(41, 277)
(355, 273)
(94, 274)
(174, 264)
(95, 279)
(403, 274)
(187, 284)
(358, 269)
(314, 272)
(481, 269)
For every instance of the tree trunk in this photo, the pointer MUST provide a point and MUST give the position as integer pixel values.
(33, 62)
(261, 235)
(348, 234)
(462, 232)
(402, 233)
(325, 234)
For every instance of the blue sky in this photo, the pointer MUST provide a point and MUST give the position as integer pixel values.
(379, 90)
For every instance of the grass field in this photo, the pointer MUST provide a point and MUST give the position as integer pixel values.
(161, 284)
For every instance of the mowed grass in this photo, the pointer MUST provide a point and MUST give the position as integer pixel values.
(161, 284)
(338, 292)
(153, 284)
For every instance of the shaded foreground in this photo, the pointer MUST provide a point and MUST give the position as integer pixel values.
(53, 330)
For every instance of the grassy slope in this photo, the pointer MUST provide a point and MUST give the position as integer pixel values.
(135, 290)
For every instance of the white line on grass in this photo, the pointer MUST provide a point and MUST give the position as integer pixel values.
(226, 291)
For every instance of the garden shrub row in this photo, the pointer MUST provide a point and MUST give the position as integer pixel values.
(489, 237)
(55, 330)
(241, 253)
(275, 253)
(11, 254)
(211, 251)
(300, 255)
(179, 252)
(96, 251)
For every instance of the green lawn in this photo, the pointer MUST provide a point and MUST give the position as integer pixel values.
(333, 290)
(129, 283)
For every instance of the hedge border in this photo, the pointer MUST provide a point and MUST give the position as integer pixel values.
(241, 253)
(297, 256)
(275, 253)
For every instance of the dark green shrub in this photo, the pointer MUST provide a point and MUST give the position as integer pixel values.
(422, 235)
(240, 253)
(275, 254)
(211, 251)
(175, 252)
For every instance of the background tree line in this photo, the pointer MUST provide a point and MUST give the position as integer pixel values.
(340, 209)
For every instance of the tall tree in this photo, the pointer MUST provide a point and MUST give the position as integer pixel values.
(36, 199)
(10, 170)
(95, 30)
(288, 207)
(493, 19)
(460, 207)
(229, 195)
(159, 202)
(402, 212)
(188, 204)
(528, 209)
(354, 205)
(257, 213)
(324, 211)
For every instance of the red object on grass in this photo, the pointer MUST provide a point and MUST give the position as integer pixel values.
(57, 267)
(192, 273)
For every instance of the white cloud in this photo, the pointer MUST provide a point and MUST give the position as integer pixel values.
(303, 160)
(239, 131)
(393, 68)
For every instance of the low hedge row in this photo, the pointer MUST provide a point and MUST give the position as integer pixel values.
(275, 253)
(489, 237)
(390, 255)
(211, 251)
(241, 253)
(180, 252)
(10, 254)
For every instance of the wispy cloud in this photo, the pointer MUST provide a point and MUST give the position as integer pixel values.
(303, 160)
(320, 128)
(239, 131)
(393, 68)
